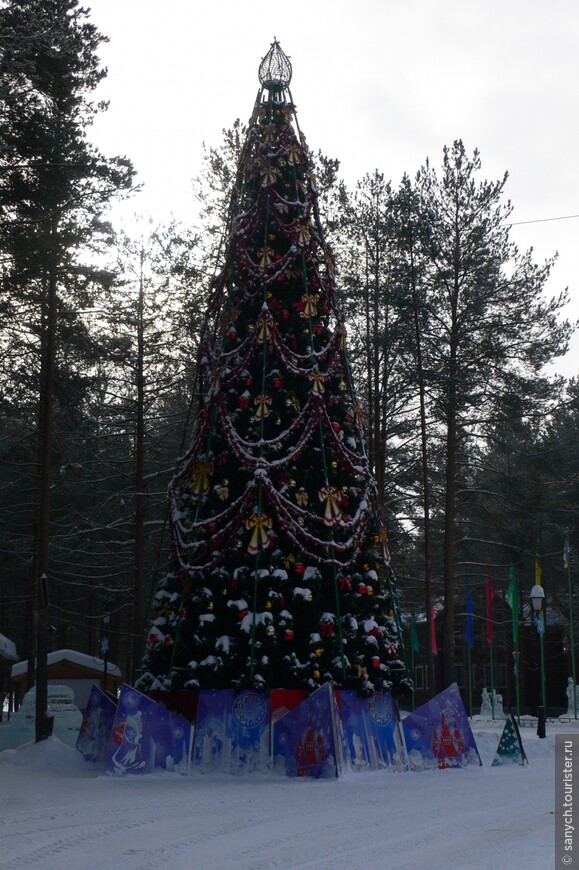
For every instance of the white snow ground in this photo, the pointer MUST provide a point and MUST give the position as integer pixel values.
(57, 811)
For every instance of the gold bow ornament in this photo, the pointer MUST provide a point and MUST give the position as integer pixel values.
(258, 524)
(303, 234)
(263, 324)
(269, 174)
(201, 474)
(317, 380)
(310, 301)
(333, 500)
(265, 257)
(294, 153)
(302, 498)
(262, 404)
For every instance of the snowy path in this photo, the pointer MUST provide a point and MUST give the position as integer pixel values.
(58, 814)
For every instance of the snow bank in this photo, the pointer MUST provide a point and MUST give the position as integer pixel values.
(56, 811)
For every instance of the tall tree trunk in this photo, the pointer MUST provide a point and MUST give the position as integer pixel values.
(425, 472)
(139, 568)
(448, 638)
(41, 562)
(371, 431)
(376, 376)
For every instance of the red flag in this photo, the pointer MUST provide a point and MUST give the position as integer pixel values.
(490, 595)
(433, 644)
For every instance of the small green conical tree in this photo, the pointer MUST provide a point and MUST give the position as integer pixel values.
(280, 574)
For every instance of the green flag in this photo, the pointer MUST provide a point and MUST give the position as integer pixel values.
(513, 600)
(414, 638)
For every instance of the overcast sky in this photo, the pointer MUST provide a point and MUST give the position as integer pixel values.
(378, 84)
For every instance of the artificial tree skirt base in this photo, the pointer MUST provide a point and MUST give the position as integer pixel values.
(321, 735)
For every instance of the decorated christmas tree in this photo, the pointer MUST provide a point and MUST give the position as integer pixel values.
(280, 574)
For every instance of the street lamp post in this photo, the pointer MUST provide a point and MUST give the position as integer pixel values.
(538, 601)
(104, 648)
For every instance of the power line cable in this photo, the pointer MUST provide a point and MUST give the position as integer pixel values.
(564, 217)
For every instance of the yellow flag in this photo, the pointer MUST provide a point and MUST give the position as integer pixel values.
(538, 570)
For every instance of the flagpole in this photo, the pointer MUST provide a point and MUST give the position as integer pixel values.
(543, 691)
(413, 670)
(517, 683)
(433, 646)
(414, 648)
(567, 563)
(513, 602)
(413, 677)
(469, 680)
(469, 638)
(541, 626)
(492, 682)
(489, 608)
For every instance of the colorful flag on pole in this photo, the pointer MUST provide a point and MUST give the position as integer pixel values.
(490, 594)
(566, 552)
(469, 635)
(513, 600)
(538, 570)
(433, 644)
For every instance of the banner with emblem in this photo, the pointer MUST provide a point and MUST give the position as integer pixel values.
(232, 732)
(372, 730)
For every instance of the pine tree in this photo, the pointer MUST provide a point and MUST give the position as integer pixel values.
(53, 187)
(488, 333)
(280, 573)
